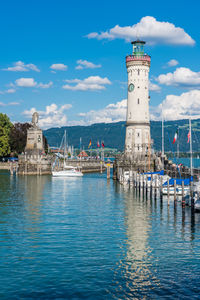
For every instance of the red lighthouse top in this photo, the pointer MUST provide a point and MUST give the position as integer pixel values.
(138, 52)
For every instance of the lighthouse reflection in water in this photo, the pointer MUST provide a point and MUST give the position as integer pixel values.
(92, 238)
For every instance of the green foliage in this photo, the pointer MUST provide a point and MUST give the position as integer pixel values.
(18, 135)
(4, 142)
(5, 123)
(5, 127)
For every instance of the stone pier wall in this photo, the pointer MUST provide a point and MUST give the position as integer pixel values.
(31, 165)
(139, 164)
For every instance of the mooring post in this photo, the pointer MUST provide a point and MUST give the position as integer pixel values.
(136, 181)
(191, 194)
(183, 196)
(108, 171)
(146, 186)
(168, 190)
(174, 190)
(151, 187)
(161, 188)
(139, 183)
(155, 187)
(143, 183)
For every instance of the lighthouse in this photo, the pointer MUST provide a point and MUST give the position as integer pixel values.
(137, 141)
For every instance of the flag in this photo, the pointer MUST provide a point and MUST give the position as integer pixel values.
(188, 136)
(175, 137)
(98, 144)
(103, 144)
(90, 143)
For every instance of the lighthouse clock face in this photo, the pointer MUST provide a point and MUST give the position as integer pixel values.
(131, 87)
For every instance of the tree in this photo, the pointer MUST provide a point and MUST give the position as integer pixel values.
(5, 127)
(4, 142)
(18, 135)
(5, 123)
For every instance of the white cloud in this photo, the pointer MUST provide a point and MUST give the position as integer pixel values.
(30, 82)
(178, 107)
(45, 85)
(183, 77)
(114, 112)
(25, 82)
(172, 63)
(149, 29)
(9, 104)
(84, 64)
(52, 116)
(9, 91)
(59, 67)
(91, 83)
(20, 66)
(154, 87)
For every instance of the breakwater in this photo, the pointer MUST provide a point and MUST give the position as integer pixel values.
(44, 167)
(86, 166)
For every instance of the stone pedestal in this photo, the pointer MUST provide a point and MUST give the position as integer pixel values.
(34, 142)
(34, 161)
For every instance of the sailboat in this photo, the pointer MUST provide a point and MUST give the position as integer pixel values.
(67, 171)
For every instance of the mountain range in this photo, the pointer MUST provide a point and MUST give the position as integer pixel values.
(113, 135)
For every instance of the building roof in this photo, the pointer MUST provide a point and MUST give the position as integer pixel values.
(138, 41)
(83, 154)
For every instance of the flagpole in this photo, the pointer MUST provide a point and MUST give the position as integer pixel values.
(163, 150)
(178, 144)
(190, 131)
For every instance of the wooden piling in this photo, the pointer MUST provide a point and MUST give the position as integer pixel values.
(183, 196)
(161, 188)
(143, 182)
(146, 186)
(155, 187)
(191, 195)
(108, 171)
(151, 187)
(174, 190)
(168, 190)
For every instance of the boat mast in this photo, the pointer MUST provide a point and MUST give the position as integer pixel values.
(163, 150)
(190, 135)
(64, 146)
(178, 144)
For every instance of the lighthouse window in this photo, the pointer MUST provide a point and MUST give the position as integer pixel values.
(138, 134)
(138, 71)
(138, 101)
(138, 148)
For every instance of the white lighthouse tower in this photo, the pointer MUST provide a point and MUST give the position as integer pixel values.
(137, 120)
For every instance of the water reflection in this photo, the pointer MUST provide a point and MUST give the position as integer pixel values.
(93, 238)
(137, 264)
(34, 187)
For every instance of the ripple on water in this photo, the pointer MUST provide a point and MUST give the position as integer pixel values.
(94, 239)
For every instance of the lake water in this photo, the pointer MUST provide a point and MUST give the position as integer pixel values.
(186, 161)
(86, 238)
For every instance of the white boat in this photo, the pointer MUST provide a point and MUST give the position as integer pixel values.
(178, 190)
(179, 182)
(67, 171)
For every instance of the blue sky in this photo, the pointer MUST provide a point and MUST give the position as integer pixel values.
(67, 59)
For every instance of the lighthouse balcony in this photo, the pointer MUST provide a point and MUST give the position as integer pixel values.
(144, 57)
